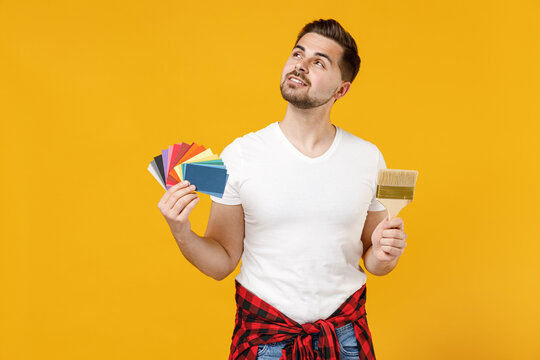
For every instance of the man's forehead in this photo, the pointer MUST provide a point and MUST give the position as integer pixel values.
(315, 43)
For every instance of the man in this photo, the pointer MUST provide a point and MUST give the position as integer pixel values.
(299, 209)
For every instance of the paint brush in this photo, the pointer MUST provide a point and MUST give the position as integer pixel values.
(395, 189)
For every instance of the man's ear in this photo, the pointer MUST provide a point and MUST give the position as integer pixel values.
(343, 89)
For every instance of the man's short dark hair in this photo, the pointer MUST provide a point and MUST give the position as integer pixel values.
(349, 64)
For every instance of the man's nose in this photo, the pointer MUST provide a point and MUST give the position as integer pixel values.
(300, 66)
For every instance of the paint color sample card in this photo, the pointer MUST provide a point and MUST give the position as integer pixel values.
(207, 178)
(194, 163)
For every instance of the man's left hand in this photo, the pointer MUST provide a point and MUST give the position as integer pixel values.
(388, 240)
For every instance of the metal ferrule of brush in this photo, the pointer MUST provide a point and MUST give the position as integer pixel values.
(395, 192)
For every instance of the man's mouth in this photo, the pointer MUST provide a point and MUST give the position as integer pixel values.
(297, 81)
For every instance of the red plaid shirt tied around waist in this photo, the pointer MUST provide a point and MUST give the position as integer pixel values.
(258, 322)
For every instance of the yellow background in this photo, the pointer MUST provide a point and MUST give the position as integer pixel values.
(90, 91)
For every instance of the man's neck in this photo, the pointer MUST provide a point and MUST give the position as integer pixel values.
(310, 130)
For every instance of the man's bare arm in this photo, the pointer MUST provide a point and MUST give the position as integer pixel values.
(218, 252)
(377, 267)
(371, 263)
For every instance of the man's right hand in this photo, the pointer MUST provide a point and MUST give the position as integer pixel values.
(176, 205)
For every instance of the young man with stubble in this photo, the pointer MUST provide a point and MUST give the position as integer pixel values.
(299, 210)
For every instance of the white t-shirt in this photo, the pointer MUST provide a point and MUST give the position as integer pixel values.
(303, 218)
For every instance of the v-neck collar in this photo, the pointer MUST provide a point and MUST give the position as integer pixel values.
(301, 155)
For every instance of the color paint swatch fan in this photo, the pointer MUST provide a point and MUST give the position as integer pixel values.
(194, 163)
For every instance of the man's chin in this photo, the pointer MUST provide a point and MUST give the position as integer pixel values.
(299, 104)
(292, 100)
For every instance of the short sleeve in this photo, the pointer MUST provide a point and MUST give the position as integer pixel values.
(232, 159)
(381, 164)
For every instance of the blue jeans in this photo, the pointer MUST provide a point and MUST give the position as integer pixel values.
(348, 346)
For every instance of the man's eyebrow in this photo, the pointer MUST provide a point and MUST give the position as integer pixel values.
(317, 53)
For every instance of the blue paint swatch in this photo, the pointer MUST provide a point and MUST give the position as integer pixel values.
(207, 179)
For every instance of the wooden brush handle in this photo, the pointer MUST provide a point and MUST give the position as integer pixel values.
(394, 206)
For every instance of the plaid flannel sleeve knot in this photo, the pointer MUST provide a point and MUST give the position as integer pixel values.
(257, 322)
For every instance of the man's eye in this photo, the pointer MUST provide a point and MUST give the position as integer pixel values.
(318, 61)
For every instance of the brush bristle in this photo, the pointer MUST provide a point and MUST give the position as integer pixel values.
(397, 177)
